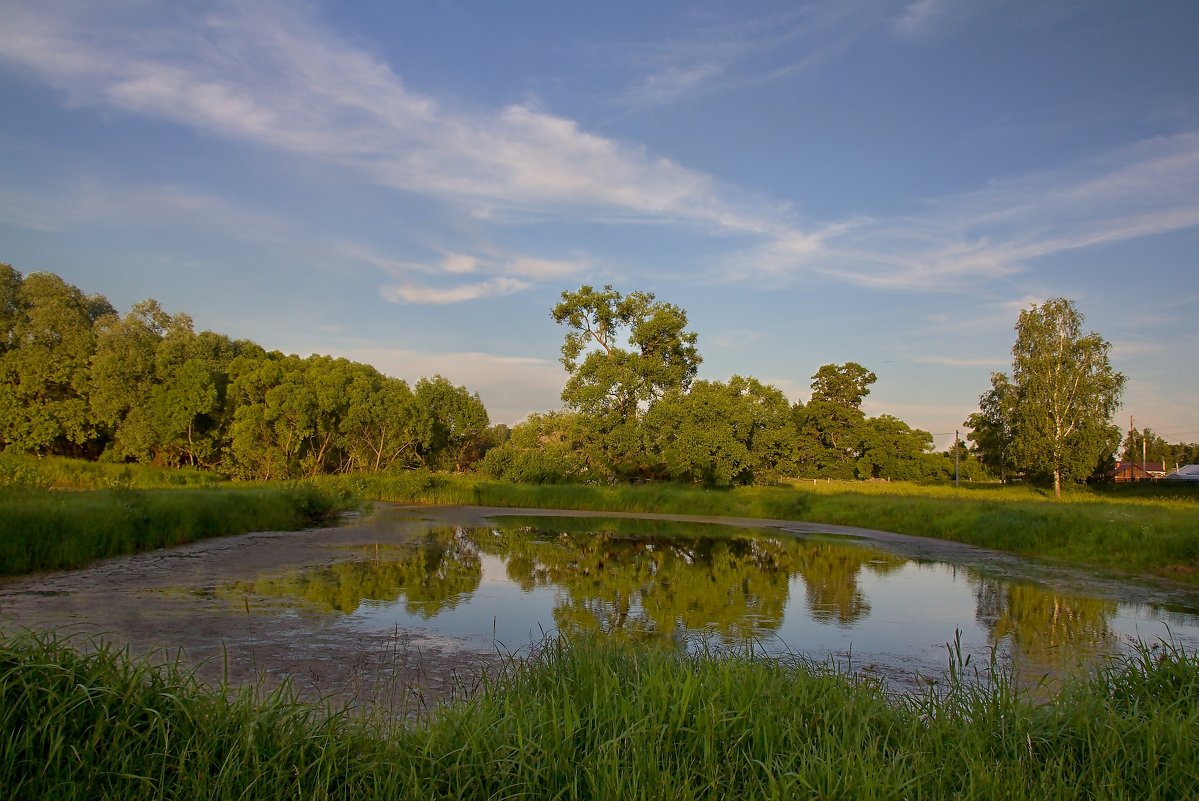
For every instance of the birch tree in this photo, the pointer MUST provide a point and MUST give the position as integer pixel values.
(1066, 394)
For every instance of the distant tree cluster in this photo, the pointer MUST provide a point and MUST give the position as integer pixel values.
(1147, 445)
(635, 411)
(78, 379)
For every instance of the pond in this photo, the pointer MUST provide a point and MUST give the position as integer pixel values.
(425, 598)
(519, 578)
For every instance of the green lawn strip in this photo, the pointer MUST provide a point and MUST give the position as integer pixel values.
(593, 720)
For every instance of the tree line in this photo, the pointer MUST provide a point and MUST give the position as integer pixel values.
(78, 379)
(635, 410)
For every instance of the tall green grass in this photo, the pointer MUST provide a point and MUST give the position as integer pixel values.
(599, 721)
(63, 473)
(48, 529)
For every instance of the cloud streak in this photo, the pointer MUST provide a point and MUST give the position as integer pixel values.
(1146, 189)
(268, 74)
(496, 287)
(723, 53)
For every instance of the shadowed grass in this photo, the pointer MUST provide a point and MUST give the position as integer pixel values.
(48, 530)
(594, 720)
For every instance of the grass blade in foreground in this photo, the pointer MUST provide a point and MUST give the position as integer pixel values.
(596, 721)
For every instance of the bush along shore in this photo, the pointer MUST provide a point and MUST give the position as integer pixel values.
(43, 529)
(594, 720)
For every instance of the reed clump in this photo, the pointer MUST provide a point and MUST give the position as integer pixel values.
(596, 720)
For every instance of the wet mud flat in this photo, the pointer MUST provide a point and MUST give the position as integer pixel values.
(168, 604)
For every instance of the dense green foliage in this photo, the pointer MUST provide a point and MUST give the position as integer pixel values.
(49, 530)
(1052, 418)
(637, 413)
(77, 379)
(591, 720)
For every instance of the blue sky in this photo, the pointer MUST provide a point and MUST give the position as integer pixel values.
(414, 184)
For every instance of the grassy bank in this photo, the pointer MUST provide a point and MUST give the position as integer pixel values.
(47, 529)
(595, 721)
(1140, 530)
(61, 473)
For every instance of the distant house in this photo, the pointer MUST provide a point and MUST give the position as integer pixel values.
(1188, 472)
(1139, 471)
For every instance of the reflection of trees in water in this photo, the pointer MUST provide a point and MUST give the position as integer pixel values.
(1047, 631)
(830, 575)
(627, 585)
(430, 576)
(638, 586)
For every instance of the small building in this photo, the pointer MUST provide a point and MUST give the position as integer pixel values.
(1188, 472)
(1139, 471)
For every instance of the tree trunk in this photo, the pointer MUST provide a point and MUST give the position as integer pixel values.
(1057, 483)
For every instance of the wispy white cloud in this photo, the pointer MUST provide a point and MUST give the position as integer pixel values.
(543, 269)
(1141, 190)
(919, 16)
(270, 75)
(670, 83)
(930, 19)
(727, 52)
(494, 288)
(86, 200)
(511, 273)
(91, 201)
(736, 339)
(28, 211)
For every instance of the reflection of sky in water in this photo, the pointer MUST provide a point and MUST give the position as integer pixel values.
(891, 613)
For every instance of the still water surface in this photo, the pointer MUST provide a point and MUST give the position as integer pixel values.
(511, 582)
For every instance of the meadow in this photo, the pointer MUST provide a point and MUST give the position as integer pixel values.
(595, 720)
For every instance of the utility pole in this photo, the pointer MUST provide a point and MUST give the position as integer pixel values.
(1132, 454)
(956, 455)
